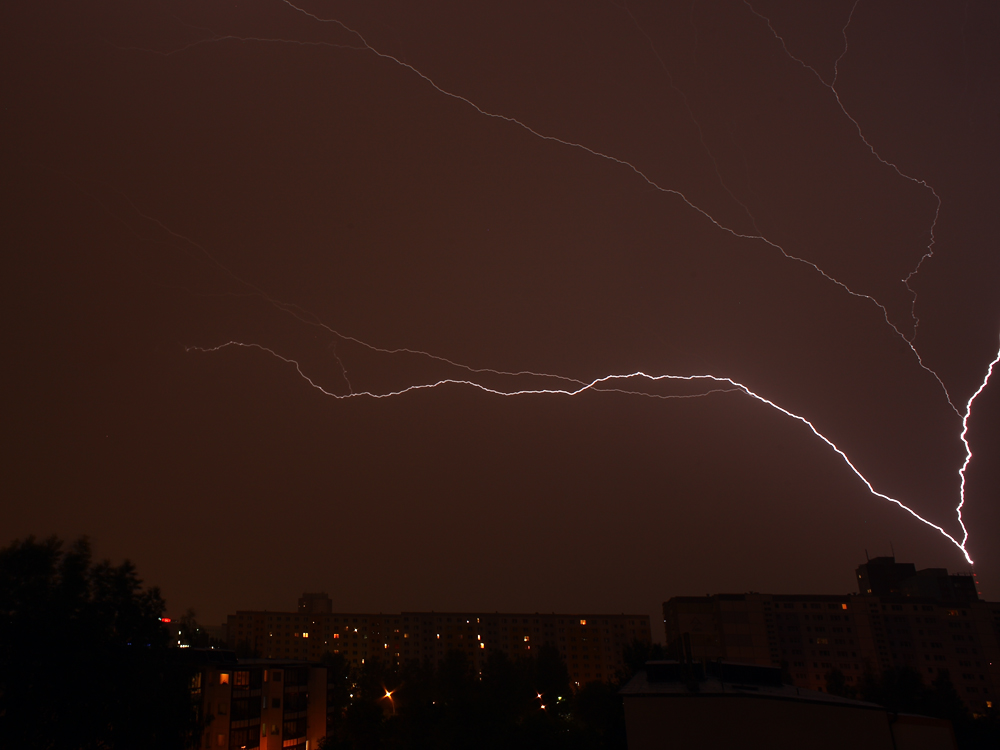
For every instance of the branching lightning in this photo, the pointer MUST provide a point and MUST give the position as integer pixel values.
(628, 384)
(929, 251)
(725, 385)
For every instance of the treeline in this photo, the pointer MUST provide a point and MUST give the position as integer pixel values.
(84, 662)
(524, 702)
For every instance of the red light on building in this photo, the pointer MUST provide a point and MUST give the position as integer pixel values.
(164, 619)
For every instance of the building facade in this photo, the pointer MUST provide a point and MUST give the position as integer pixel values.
(926, 620)
(592, 645)
(252, 703)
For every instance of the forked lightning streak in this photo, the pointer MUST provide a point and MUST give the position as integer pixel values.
(628, 383)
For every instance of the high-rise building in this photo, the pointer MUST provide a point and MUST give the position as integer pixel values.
(927, 620)
(883, 576)
(315, 604)
(592, 645)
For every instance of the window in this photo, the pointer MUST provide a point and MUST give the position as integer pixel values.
(224, 678)
(294, 728)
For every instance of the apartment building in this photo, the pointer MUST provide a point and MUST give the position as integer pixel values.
(252, 703)
(927, 620)
(592, 645)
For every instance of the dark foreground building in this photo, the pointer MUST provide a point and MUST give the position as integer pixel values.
(722, 704)
(250, 703)
(927, 620)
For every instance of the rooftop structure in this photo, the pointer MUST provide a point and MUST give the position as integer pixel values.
(727, 704)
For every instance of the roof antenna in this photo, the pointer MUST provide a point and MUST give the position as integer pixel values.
(866, 555)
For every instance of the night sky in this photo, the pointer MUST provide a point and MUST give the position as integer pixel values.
(577, 189)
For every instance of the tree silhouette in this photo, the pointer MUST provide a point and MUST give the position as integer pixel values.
(520, 702)
(836, 684)
(193, 634)
(83, 656)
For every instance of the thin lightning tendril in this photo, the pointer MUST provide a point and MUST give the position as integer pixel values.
(622, 162)
(233, 38)
(606, 384)
(929, 252)
(667, 190)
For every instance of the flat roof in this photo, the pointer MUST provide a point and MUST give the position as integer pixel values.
(709, 686)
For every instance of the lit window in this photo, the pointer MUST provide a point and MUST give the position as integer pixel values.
(583, 622)
(305, 635)
(224, 678)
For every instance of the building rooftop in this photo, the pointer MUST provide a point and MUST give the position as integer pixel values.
(714, 679)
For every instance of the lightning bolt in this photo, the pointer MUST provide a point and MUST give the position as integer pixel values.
(365, 46)
(613, 383)
(727, 385)
(968, 448)
(832, 86)
(620, 383)
(660, 188)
